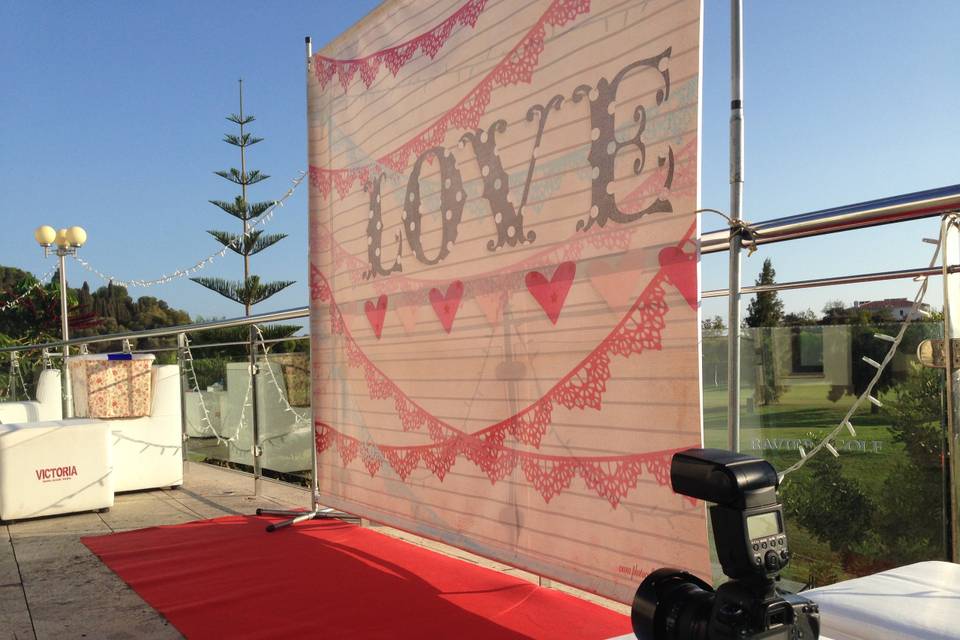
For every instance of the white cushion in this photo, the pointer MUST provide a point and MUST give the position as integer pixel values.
(48, 406)
(147, 452)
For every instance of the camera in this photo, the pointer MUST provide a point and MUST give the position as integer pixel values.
(747, 520)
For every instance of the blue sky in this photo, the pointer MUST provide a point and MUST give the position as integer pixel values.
(113, 112)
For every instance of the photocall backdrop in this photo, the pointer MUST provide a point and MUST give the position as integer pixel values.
(504, 279)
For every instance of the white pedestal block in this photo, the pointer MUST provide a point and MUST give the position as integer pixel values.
(59, 466)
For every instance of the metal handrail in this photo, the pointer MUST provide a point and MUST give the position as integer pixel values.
(872, 213)
(228, 323)
(836, 280)
(911, 206)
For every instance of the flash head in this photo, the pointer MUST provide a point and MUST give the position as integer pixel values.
(725, 478)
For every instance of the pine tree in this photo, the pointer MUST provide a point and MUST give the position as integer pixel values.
(250, 290)
(765, 310)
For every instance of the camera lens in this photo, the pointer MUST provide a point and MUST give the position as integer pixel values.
(672, 605)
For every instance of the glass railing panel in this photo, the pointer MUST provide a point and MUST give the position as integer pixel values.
(218, 406)
(881, 503)
(20, 374)
(220, 400)
(283, 404)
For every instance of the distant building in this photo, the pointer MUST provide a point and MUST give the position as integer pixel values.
(899, 308)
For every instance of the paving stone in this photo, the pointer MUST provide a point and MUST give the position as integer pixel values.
(145, 512)
(74, 523)
(14, 616)
(71, 594)
(81, 620)
(8, 562)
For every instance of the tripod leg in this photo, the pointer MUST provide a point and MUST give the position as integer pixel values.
(308, 515)
(278, 512)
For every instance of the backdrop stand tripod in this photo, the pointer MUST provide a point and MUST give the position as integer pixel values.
(317, 511)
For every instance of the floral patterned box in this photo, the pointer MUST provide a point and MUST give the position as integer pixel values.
(111, 385)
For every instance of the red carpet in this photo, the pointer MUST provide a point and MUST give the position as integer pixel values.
(227, 578)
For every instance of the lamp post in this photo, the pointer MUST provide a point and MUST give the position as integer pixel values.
(67, 242)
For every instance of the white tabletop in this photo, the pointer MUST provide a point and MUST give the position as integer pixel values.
(919, 601)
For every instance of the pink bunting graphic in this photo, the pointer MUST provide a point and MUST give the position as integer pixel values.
(408, 317)
(680, 269)
(551, 294)
(515, 67)
(396, 57)
(610, 477)
(616, 280)
(491, 304)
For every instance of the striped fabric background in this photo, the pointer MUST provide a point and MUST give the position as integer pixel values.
(512, 386)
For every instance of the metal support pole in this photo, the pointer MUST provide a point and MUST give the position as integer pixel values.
(736, 203)
(316, 512)
(67, 394)
(181, 358)
(950, 242)
(254, 369)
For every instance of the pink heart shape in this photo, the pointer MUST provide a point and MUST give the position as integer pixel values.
(681, 270)
(553, 293)
(445, 306)
(376, 314)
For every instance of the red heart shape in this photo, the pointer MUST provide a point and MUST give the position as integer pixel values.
(681, 270)
(376, 314)
(445, 306)
(553, 293)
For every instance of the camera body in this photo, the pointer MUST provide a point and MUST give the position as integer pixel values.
(747, 521)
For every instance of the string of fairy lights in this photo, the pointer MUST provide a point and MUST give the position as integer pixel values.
(206, 424)
(15, 302)
(281, 396)
(916, 310)
(199, 265)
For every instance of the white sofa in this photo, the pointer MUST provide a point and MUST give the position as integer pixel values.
(147, 451)
(51, 466)
(47, 406)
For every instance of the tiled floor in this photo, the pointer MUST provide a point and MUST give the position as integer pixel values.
(51, 586)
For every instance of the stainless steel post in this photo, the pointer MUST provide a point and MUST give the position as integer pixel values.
(950, 244)
(181, 351)
(316, 511)
(736, 203)
(254, 369)
(67, 394)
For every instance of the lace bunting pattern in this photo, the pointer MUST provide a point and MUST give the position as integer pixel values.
(582, 388)
(610, 477)
(515, 68)
(395, 58)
